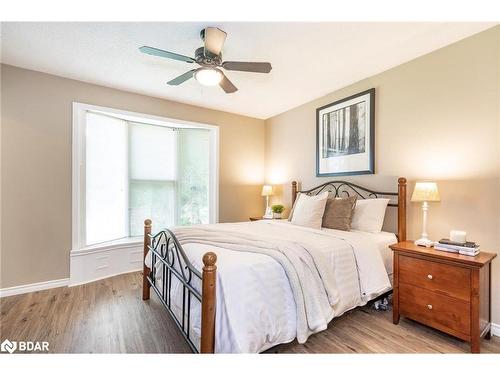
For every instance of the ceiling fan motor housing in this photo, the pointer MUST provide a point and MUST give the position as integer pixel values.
(207, 58)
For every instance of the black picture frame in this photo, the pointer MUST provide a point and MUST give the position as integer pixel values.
(371, 152)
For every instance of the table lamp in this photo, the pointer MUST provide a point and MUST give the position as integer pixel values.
(267, 190)
(425, 192)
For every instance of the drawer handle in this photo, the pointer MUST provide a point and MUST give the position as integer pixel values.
(429, 307)
(429, 276)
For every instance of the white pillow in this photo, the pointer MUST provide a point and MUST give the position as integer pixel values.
(369, 215)
(308, 210)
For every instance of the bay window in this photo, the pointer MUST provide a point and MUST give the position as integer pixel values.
(130, 168)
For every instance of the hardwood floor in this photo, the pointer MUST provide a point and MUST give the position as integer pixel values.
(108, 316)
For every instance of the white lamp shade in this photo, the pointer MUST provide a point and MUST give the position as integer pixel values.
(267, 190)
(425, 192)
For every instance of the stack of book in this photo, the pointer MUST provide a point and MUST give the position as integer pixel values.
(464, 248)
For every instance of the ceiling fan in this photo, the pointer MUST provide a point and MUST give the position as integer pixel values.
(209, 57)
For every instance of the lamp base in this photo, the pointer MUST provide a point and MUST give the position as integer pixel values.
(424, 242)
(268, 214)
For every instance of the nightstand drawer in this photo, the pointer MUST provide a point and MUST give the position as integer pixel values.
(434, 309)
(438, 277)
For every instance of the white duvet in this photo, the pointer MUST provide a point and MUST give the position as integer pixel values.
(256, 309)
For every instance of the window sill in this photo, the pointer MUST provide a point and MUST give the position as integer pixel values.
(123, 243)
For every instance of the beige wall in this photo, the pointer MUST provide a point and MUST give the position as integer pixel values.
(36, 166)
(438, 118)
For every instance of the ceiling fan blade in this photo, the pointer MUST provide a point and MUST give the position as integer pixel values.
(256, 67)
(227, 85)
(169, 55)
(182, 78)
(214, 40)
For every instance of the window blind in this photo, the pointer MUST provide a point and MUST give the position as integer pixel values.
(136, 171)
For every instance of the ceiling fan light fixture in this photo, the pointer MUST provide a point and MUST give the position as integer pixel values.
(208, 76)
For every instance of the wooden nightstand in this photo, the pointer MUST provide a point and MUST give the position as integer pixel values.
(446, 291)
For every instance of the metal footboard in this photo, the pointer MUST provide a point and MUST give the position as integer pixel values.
(170, 262)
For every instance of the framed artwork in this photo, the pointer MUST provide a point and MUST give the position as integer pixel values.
(345, 136)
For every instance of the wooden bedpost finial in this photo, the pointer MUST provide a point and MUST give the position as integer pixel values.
(208, 303)
(147, 222)
(209, 259)
(294, 191)
(402, 181)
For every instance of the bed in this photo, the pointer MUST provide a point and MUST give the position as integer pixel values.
(246, 287)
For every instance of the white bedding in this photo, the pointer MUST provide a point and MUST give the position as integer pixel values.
(383, 240)
(255, 305)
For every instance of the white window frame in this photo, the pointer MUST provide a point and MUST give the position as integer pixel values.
(78, 166)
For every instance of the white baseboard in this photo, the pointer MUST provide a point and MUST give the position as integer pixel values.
(93, 264)
(90, 265)
(28, 288)
(495, 329)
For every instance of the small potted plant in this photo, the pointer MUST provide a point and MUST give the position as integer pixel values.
(277, 210)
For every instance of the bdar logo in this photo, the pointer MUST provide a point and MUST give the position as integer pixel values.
(8, 346)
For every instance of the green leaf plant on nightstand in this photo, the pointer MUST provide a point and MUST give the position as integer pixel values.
(277, 210)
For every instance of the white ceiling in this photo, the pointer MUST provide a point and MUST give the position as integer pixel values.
(309, 59)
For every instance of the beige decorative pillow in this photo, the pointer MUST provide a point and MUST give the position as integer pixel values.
(339, 212)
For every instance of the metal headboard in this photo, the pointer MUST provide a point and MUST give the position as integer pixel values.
(347, 189)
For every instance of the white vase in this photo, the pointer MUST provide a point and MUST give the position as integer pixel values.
(276, 215)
